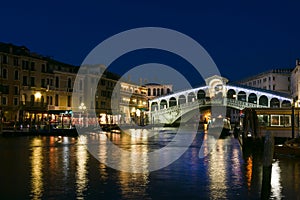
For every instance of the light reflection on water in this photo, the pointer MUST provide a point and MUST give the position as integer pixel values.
(275, 181)
(36, 169)
(62, 168)
(217, 169)
(81, 171)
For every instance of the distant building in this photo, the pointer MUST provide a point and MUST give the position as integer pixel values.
(133, 103)
(295, 84)
(276, 80)
(155, 90)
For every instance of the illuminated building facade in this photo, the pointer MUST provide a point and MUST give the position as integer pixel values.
(133, 103)
(278, 80)
(155, 90)
(33, 87)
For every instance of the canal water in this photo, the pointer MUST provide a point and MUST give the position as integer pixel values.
(39, 167)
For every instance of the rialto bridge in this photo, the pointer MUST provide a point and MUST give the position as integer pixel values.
(169, 108)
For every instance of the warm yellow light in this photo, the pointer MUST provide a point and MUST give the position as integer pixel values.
(138, 113)
(38, 95)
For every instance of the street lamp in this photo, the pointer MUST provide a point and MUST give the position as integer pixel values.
(138, 114)
(82, 108)
(37, 95)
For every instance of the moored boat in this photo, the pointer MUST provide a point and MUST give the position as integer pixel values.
(290, 147)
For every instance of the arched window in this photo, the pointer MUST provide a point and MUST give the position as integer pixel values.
(181, 100)
(154, 106)
(69, 83)
(163, 104)
(191, 97)
(274, 103)
(242, 96)
(80, 85)
(42, 100)
(252, 98)
(16, 77)
(149, 92)
(286, 103)
(32, 99)
(172, 102)
(201, 94)
(154, 92)
(4, 73)
(231, 94)
(263, 101)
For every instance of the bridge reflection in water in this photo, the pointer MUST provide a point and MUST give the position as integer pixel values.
(62, 168)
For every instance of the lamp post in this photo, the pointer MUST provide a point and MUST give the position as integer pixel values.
(138, 114)
(82, 108)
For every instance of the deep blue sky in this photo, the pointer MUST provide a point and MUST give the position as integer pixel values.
(243, 37)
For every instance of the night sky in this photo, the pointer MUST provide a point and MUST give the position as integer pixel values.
(243, 37)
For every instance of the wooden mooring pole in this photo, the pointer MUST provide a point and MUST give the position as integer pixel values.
(267, 165)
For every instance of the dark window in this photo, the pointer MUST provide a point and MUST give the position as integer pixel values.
(154, 92)
(51, 100)
(32, 81)
(32, 99)
(16, 75)
(25, 64)
(25, 81)
(56, 100)
(57, 82)
(69, 101)
(273, 78)
(48, 99)
(16, 61)
(149, 92)
(4, 59)
(16, 101)
(51, 82)
(4, 100)
(102, 82)
(43, 68)
(43, 83)
(16, 90)
(5, 89)
(69, 83)
(80, 85)
(4, 73)
(32, 66)
(103, 93)
(102, 104)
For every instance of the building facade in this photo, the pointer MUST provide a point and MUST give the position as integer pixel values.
(278, 80)
(133, 103)
(155, 90)
(34, 88)
(295, 84)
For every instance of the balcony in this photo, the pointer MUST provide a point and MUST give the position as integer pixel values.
(33, 106)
